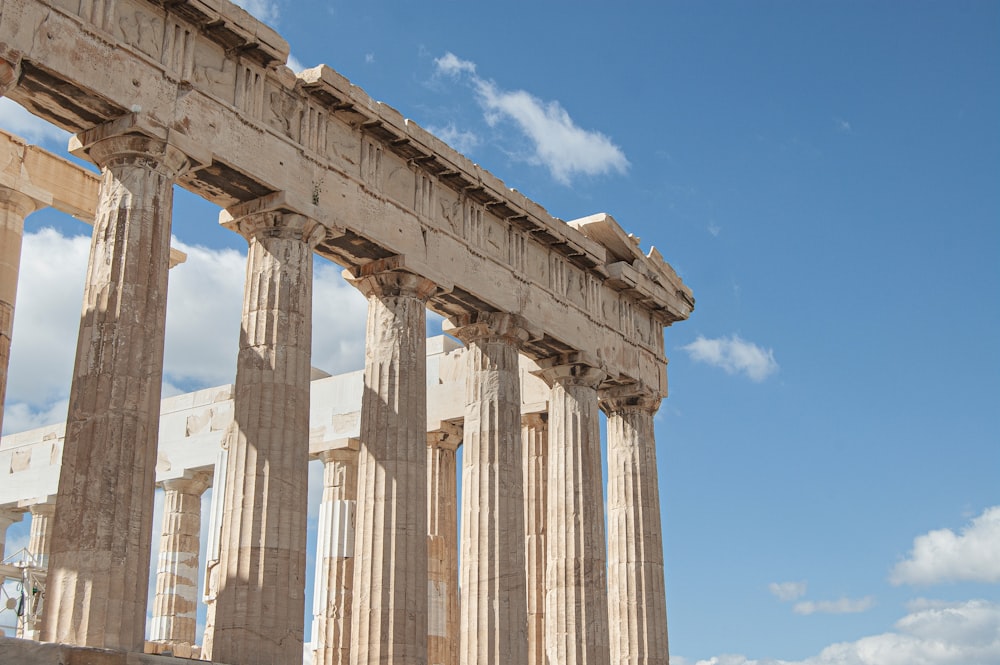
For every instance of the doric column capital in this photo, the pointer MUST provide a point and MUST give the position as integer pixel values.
(18, 203)
(384, 279)
(630, 397)
(510, 328)
(571, 370)
(10, 69)
(44, 509)
(138, 141)
(448, 437)
(195, 485)
(534, 420)
(338, 455)
(277, 224)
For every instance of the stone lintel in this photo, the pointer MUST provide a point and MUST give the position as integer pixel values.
(258, 150)
(45, 500)
(666, 292)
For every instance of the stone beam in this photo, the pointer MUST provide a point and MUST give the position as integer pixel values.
(193, 425)
(385, 187)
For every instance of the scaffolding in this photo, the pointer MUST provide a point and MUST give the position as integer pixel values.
(22, 593)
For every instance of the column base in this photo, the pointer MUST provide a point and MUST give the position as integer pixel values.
(28, 652)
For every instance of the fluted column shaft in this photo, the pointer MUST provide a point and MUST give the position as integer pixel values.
(261, 598)
(39, 540)
(576, 606)
(40, 535)
(636, 596)
(98, 581)
(389, 615)
(534, 436)
(175, 606)
(442, 547)
(494, 616)
(14, 207)
(332, 598)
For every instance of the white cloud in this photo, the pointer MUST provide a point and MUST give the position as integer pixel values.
(839, 606)
(964, 633)
(944, 556)
(452, 65)
(204, 303)
(262, 10)
(462, 141)
(734, 355)
(787, 591)
(17, 120)
(565, 149)
(294, 64)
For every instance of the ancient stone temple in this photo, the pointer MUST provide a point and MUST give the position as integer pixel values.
(557, 322)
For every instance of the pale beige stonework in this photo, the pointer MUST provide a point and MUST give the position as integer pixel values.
(197, 92)
(442, 545)
(97, 580)
(576, 605)
(260, 602)
(39, 542)
(636, 597)
(175, 605)
(494, 605)
(389, 615)
(14, 207)
(331, 628)
(534, 437)
(40, 534)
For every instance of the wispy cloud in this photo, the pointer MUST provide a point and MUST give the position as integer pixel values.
(262, 10)
(787, 591)
(204, 304)
(842, 125)
(734, 355)
(944, 556)
(17, 120)
(559, 145)
(463, 141)
(943, 634)
(839, 606)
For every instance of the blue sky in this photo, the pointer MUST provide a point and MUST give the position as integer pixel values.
(824, 175)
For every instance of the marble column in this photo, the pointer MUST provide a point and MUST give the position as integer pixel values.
(442, 546)
(331, 628)
(7, 517)
(175, 605)
(14, 207)
(98, 571)
(535, 439)
(260, 602)
(40, 535)
(389, 615)
(494, 605)
(38, 545)
(576, 603)
(636, 597)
